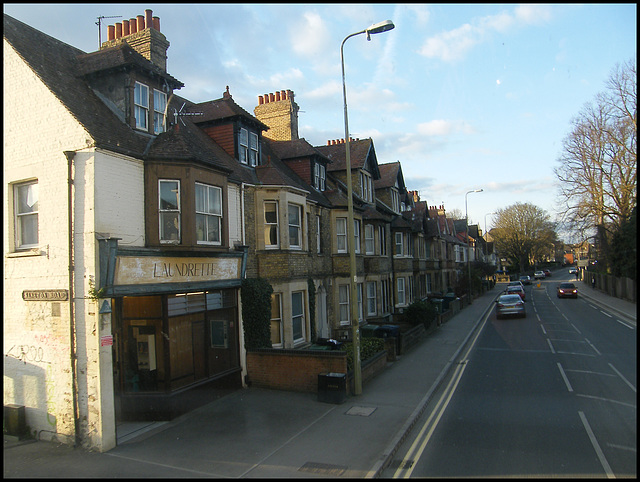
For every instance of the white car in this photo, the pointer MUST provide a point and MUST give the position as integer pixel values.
(539, 275)
(573, 270)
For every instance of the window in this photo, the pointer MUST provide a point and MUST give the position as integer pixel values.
(276, 320)
(297, 316)
(383, 241)
(271, 224)
(141, 105)
(318, 237)
(208, 214)
(395, 200)
(295, 233)
(368, 239)
(428, 282)
(371, 298)
(26, 214)
(319, 176)
(248, 147)
(384, 291)
(360, 307)
(341, 233)
(402, 300)
(159, 106)
(343, 295)
(356, 234)
(169, 208)
(399, 244)
(366, 187)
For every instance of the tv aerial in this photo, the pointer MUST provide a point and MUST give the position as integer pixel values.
(99, 24)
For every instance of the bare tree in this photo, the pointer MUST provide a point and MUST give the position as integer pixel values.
(523, 233)
(597, 167)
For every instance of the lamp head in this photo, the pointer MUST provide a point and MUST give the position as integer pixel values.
(379, 28)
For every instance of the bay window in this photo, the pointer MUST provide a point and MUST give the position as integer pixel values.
(208, 214)
(169, 210)
(271, 224)
(295, 226)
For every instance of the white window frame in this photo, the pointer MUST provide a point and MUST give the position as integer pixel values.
(209, 215)
(344, 308)
(243, 146)
(395, 200)
(298, 318)
(360, 289)
(318, 237)
(276, 320)
(366, 186)
(253, 149)
(141, 106)
(384, 292)
(356, 235)
(399, 251)
(270, 226)
(159, 106)
(295, 241)
(401, 290)
(369, 241)
(372, 288)
(383, 242)
(341, 235)
(319, 171)
(162, 212)
(25, 211)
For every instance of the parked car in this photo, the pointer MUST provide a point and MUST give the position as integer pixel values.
(525, 280)
(515, 283)
(507, 305)
(567, 290)
(515, 289)
(547, 273)
(539, 275)
(573, 270)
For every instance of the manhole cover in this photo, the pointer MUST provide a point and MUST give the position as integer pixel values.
(322, 469)
(362, 411)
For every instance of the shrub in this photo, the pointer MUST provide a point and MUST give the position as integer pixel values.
(420, 312)
(256, 313)
(369, 347)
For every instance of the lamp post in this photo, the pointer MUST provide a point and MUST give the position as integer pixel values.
(466, 222)
(353, 295)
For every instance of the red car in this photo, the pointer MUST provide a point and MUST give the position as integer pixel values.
(515, 290)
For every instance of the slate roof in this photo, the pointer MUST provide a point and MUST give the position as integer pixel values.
(224, 109)
(389, 174)
(360, 151)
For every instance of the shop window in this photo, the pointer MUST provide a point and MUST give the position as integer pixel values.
(219, 333)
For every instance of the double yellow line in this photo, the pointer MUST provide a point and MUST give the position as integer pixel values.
(422, 439)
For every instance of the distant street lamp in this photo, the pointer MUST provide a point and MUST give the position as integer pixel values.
(353, 294)
(466, 222)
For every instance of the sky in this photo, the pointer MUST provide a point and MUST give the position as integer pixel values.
(466, 97)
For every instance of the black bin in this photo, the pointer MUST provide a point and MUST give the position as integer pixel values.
(389, 331)
(332, 387)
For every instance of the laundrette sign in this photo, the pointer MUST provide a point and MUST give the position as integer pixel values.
(151, 269)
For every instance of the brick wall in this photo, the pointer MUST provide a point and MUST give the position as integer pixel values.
(293, 370)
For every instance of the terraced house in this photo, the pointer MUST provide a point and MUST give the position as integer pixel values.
(134, 214)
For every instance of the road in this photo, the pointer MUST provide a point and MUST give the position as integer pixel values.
(553, 394)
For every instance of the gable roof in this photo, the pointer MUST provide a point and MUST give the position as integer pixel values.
(361, 152)
(224, 109)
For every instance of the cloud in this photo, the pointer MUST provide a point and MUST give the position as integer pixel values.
(454, 44)
(441, 127)
(310, 36)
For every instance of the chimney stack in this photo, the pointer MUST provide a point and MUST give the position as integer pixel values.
(143, 35)
(278, 111)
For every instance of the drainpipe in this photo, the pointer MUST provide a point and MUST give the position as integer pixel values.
(72, 340)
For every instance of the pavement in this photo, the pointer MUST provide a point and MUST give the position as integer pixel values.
(260, 433)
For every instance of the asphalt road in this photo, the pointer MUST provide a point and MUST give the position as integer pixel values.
(553, 394)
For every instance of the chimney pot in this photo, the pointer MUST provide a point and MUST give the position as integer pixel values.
(271, 97)
(260, 100)
(133, 25)
(277, 96)
(329, 142)
(118, 30)
(148, 20)
(283, 94)
(156, 23)
(140, 21)
(125, 28)
(111, 32)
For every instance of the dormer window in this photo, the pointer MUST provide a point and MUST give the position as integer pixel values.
(366, 187)
(141, 103)
(320, 175)
(159, 106)
(248, 147)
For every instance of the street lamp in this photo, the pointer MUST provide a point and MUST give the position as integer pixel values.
(353, 295)
(466, 222)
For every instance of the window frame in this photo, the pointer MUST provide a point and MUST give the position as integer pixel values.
(271, 225)
(402, 293)
(372, 301)
(366, 186)
(301, 316)
(318, 236)
(399, 251)
(159, 125)
(344, 304)
(297, 227)
(277, 320)
(162, 211)
(139, 96)
(356, 234)
(320, 175)
(216, 216)
(341, 223)
(19, 216)
(369, 239)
